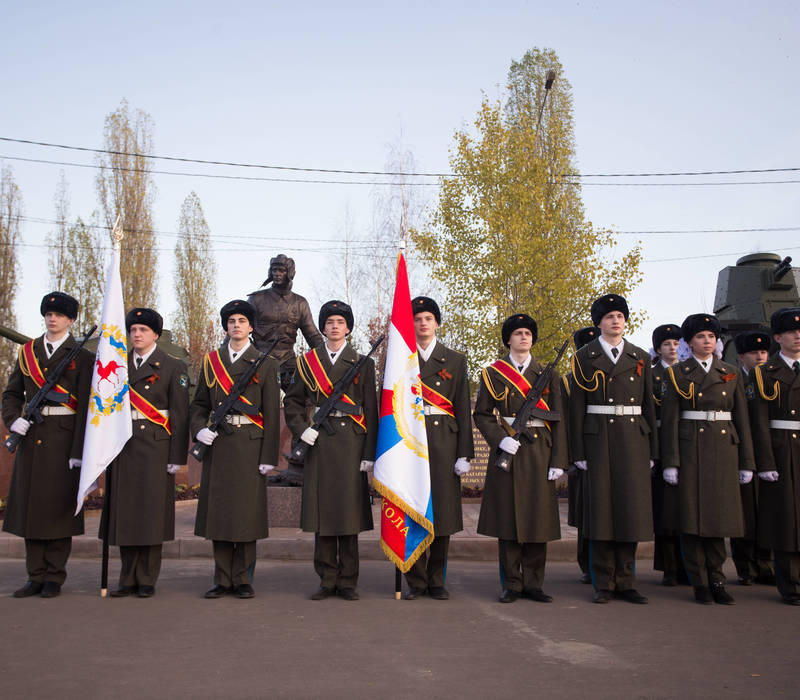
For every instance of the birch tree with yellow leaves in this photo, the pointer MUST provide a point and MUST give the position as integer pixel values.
(509, 232)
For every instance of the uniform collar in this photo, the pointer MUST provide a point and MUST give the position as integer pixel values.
(427, 352)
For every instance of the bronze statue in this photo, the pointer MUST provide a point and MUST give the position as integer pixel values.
(281, 313)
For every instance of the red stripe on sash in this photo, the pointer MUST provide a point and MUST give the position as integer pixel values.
(514, 377)
(326, 385)
(35, 372)
(434, 398)
(141, 404)
(226, 384)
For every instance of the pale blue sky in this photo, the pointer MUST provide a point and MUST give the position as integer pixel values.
(656, 86)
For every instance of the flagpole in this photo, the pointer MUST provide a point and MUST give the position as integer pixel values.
(117, 235)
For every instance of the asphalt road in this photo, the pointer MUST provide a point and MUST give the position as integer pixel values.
(281, 644)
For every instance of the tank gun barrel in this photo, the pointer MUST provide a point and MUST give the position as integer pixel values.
(782, 268)
(13, 336)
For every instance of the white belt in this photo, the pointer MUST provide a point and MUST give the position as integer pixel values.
(435, 411)
(706, 415)
(138, 415)
(532, 423)
(237, 419)
(57, 411)
(615, 410)
(785, 424)
(658, 423)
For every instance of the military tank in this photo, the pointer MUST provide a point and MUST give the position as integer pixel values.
(749, 292)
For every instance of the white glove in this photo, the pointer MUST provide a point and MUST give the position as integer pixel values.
(206, 436)
(366, 465)
(510, 445)
(264, 468)
(74, 463)
(173, 468)
(768, 476)
(462, 466)
(745, 476)
(553, 473)
(581, 464)
(652, 464)
(671, 476)
(309, 435)
(20, 426)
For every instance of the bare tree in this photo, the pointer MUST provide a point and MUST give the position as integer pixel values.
(195, 326)
(125, 187)
(10, 213)
(76, 259)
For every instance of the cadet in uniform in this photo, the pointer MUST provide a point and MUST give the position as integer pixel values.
(520, 506)
(775, 417)
(707, 451)
(575, 476)
(232, 508)
(753, 563)
(335, 490)
(448, 424)
(613, 438)
(139, 509)
(44, 483)
(667, 550)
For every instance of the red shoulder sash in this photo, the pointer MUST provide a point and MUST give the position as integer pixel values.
(322, 382)
(225, 382)
(30, 367)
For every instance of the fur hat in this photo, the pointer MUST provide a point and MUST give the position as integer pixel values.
(419, 304)
(237, 306)
(696, 323)
(60, 303)
(585, 335)
(336, 308)
(146, 317)
(516, 321)
(669, 331)
(786, 319)
(606, 304)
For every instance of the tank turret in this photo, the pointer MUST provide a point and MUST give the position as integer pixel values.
(749, 292)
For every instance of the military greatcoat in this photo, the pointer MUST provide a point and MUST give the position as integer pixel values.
(233, 494)
(617, 448)
(142, 503)
(335, 491)
(520, 504)
(43, 491)
(776, 396)
(449, 437)
(666, 508)
(709, 454)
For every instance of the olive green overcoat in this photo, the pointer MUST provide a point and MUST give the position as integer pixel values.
(776, 396)
(617, 448)
(520, 504)
(708, 454)
(43, 491)
(233, 493)
(335, 492)
(449, 437)
(140, 509)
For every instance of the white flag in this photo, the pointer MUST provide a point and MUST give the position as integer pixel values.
(108, 421)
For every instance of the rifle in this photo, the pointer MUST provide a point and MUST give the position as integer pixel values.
(333, 401)
(33, 409)
(217, 418)
(529, 409)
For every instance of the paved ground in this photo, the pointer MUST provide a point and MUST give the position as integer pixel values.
(280, 644)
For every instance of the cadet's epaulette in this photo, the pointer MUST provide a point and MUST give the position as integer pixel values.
(487, 380)
(588, 384)
(689, 394)
(776, 388)
(565, 380)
